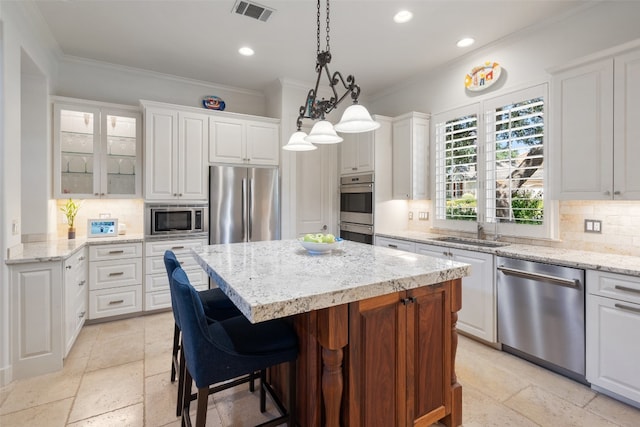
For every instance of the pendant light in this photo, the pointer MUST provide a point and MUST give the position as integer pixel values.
(355, 119)
(298, 143)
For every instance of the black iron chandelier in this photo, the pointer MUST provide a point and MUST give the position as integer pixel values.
(355, 118)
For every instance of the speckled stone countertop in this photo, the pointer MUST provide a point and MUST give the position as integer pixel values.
(56, 250)
(613, 263)
(278, 278)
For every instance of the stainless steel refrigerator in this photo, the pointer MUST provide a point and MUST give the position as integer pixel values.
(244, 204)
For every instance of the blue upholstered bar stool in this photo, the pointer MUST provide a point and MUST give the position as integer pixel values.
(229, 349)
(217, 306)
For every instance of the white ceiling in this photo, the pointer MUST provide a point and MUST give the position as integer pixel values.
(199, 39)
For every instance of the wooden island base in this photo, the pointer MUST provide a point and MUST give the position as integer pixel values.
(384, 361)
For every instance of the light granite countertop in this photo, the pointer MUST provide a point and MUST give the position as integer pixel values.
(622, 264)
(57, 250)
(279, 278)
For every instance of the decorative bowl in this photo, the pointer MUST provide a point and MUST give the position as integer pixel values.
(320, 248)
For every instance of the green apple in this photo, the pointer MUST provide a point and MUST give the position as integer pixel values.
(309, 238)
(328, 238)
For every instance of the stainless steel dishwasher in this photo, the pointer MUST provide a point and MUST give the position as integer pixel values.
(541, 314)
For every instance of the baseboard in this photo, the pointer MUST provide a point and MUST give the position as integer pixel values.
(6, 376)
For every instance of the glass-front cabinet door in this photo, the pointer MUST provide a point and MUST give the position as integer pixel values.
(97, 152)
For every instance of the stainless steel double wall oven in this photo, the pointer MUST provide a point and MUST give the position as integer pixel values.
(356, 208)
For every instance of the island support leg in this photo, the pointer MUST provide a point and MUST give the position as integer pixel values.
(454, 419)
(333, 336)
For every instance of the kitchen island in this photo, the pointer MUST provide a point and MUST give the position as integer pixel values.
(376, 327)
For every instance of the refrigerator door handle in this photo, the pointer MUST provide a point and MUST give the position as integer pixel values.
(250, 216)
(244, 209)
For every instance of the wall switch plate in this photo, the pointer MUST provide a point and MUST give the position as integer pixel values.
(423, 216)
(410, 215)
(592, 226)
(15, 227)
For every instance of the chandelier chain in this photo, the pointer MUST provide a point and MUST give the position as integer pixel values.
(328, 48)
(318, 28)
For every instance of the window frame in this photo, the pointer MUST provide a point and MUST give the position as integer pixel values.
(485, 111)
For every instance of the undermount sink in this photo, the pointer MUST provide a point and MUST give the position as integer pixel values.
(472, 242)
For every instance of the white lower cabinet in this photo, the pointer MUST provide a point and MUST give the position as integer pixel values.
(75, 297)
(403, 245)
(115, 279)
(478, 314)
(156, 283)
(613, 322)
(37, 316)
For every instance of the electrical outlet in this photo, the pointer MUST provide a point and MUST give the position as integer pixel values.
(410, 215)
(592, 226)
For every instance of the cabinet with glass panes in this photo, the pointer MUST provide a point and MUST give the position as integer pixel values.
(97, 150)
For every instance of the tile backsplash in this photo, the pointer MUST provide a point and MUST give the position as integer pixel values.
(128, 211)
(620, 225)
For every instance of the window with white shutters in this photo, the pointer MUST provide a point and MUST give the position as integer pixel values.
(494, 176)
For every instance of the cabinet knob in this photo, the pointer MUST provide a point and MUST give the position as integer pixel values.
(175, 194)
(68, 267)
(354, 169)
(96, 194)
(179, 194)
(617, 193)
(607, 193)
(82, 283)
(81, 315)
(102, 194)
(81, 258)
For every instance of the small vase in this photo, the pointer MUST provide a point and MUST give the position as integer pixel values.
(71, 233)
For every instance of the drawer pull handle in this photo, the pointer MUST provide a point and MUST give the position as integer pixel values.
(82, 283)
(120, 301)
(392, 246)
(177, 247)
(626, 307)
(117, 273)
(116, 252)
(81, 315)
(626, 289)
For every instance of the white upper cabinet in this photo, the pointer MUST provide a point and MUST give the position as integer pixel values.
(175, 153)
(357, 153)
(243, 141)
(410, 157)
(96, 150)
(596, 139)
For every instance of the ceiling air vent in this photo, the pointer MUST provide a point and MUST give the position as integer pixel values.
(252, 10)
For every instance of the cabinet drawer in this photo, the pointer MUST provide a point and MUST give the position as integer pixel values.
(157, 282)
(178, 246)
(162, 299)
(155, 264)
(611, 285)
(75, 262)
(116, 273)
(402, 245)
(115, 251)
(113, 302)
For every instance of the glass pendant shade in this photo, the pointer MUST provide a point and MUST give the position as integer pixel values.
(323, 133)
(298, 143)
(356, 119)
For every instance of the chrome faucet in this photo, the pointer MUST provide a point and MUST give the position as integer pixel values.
(481, 234)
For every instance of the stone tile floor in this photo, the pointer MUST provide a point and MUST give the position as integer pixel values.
(117, 374)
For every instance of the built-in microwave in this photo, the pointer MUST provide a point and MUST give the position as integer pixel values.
(174, 219)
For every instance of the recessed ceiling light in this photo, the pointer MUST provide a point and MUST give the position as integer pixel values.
(246, 51)
(467, 41)
(403, 16)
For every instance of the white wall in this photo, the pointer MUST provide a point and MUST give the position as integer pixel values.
(103, 82)
(21, 34)
(524, 58)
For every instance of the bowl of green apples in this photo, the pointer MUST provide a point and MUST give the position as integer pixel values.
(320, 243)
